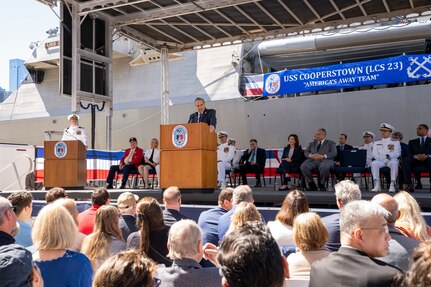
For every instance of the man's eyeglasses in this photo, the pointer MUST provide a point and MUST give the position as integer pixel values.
(381, 229)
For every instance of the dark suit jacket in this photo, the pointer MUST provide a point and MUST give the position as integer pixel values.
(170, 216)
(260, 157)
(6, 239)
(208, 222)
(297, 156)
(332, 223)
(328, 148)
(353, 268)
(415, 148)
(209, 117)
(346, 147)
(127, 225)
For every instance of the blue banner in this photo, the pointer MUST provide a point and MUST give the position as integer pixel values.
(407, 68)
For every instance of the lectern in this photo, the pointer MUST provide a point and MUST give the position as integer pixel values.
(65, 164)
(188, 156)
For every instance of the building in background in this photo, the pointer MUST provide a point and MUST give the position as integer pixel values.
(3, 94)
(17, 73)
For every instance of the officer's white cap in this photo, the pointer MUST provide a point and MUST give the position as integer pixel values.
(72, 116)
(368, 133)
(232, 139)
(222, 134)
(386, 127)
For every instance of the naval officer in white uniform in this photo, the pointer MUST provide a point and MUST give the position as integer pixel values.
(368, 146)
(225, 154)
(74, 131)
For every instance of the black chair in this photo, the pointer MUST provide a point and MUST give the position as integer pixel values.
(418, 171)
(295, 175)
(352, 161)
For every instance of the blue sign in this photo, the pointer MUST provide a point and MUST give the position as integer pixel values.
(407, 68)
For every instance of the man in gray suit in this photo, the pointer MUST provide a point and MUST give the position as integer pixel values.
(320, 154)
(400, 246)
(185, 249)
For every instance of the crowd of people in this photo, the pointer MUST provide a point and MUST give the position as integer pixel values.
(381, 242)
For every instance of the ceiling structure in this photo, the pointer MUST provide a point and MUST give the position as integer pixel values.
(189, 24)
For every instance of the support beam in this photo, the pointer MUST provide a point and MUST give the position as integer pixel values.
(165, 86)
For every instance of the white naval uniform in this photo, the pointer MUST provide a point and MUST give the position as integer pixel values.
(381, 148)
(156, 158)
(369, 149)
(225, 155)
(236, 158)
(74, 133)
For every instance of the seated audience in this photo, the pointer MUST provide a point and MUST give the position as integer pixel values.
(150, 161)
(7, 222)
(55, 193)
(208, 219)
(54, 233)
(242, 193)
(71, 207)
(244, 212)
(23, 203)
(418, 154)
(238, 154)
(116, 271)
(291, 159)
(281, 229)
(225, 154)
(345, 192)
(368, 146)
(342, 139)
(254, 160)
(129, 163)
(152, 237)
(106, 239)
(16, 267)
(310, 236)
(400, 246)
(420, 267)
(250, 257)
(364, 236)
(172, 203)
(320, 154)
(411, 222)
(86, 219)
(126, 203)
(385, 153)
(186, 251)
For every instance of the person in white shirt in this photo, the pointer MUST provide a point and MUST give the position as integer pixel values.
(385, 153)
(238, 154)
(368, 146)
(74, 132)
(151, 161)
(225, 154)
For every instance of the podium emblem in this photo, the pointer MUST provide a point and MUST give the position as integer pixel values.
(60, 149)
(179, 136)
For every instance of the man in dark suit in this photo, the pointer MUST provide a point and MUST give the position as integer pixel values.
(320, 154)
(254, 160)
(172, 203)
(340, 147)
(418, 154)
(364, 236)
(203, 115)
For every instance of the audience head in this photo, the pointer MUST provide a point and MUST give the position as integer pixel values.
(250, 257)
(70, 206)
(154, 143)
(222, 136)
(410, 215)
(346, 191)
(419, 274)
(225, 198)
(55, 193)
(16, 267)
(7, 216)
(100, 196)
(126, 203)
(293, 140)
(309, 232)
(172, 198)
(363, 226)
(54, 228)
(149, 218)
(294, 203)
(244, 212)
(185, 241)
(386, 130)
(342, 139)
(23, 203)
(200, 105)
(320, 134)
(422, 130)
(133, 142)
(231, 141)
(390, 204)
(242, 193)
(253, 144)
(127, 268)
(368, 137)
(397, 136)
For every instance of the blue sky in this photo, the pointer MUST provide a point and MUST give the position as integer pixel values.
(22, 21)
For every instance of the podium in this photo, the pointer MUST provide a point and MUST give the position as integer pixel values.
(65, 164)
(188, 156)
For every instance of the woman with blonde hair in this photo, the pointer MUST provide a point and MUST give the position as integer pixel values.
(281, 229)
(310, 236)
(410, 222)
(53, 234)
(152, 237)
(106, 239)
(244, 212)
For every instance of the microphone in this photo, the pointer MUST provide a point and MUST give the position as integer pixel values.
(67, 131)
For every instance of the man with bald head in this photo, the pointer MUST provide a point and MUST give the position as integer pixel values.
(400, 246)
(172, 203)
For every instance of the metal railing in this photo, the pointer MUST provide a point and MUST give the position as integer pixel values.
(15, 170)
